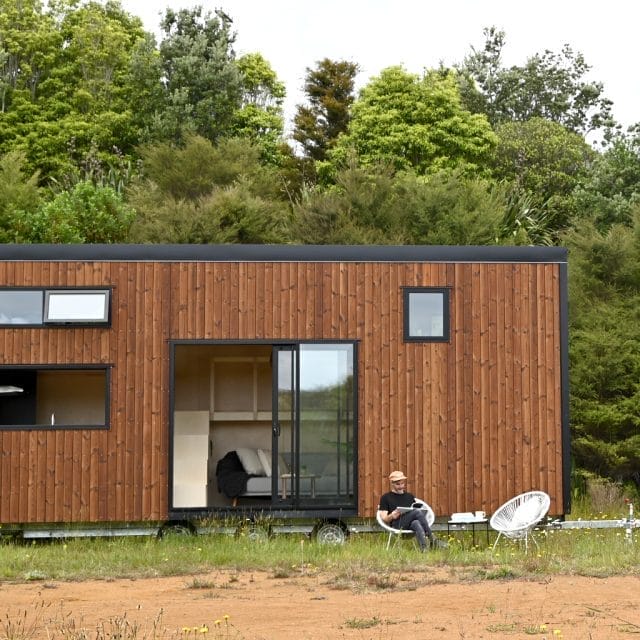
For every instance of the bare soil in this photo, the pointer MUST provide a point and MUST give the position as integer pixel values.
(306, 605)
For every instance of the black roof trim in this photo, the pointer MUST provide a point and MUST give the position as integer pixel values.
(276, 253)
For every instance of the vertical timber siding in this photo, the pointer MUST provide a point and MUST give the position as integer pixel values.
(472, 422)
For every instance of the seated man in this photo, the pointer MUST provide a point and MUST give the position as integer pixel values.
(414, 520)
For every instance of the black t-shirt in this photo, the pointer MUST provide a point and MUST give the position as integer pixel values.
(391, 500)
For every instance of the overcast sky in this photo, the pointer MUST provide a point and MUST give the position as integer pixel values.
(294, 34)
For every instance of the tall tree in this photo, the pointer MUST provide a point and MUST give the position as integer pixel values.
(202, 80)
(70, 84)
(605, 349)
(416, 123)
(260, 117)
(549, 85)
(330, 93)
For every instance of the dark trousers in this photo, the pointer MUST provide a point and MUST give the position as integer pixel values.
(416, 521)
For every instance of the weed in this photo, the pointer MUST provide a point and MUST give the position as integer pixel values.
(499, 573)
(503, 627)
(534, 629)
(362, 623)
(199, 583)
(24, 625)
(382, 581)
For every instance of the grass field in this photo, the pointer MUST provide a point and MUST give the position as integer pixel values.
(592, 552)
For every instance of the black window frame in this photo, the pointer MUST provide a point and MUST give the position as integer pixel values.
(45, 293)
(35, 368)
(446, 315)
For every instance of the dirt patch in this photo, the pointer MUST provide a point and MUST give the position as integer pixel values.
(263, 606)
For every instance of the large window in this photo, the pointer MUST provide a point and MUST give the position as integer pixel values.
(53, 397)
(37, 307)
(426, 314)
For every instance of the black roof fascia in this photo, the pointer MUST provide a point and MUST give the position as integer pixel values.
(277, 253)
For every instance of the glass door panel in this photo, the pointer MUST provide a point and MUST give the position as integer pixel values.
(314, 431)
(327, 438)
(283, 423)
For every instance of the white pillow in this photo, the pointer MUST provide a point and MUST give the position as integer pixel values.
(250, 461)
(283, 467)
(265, 461)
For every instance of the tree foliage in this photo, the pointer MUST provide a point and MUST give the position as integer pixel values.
(605, 349)
(329, 89)
(66, 78)
(205, 193)
(610, 190)
(549, 85)
(415, 123)
(201, 78)
(374, 205)
(86, 214)
(260, 117)
(544, 162)
(19, 193)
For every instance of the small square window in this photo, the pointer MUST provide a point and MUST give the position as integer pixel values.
(426, 314)
(77, 306)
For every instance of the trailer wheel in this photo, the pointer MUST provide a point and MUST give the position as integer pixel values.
(176, 529)
(330, 533)
(257, 534)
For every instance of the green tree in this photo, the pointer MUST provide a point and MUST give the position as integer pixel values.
(205, 193)
(610, 190)
(29, 47)
(544, 163)
(357, 209)
(416, 123)
(550, 85)
(67, 81)
(604, 348)
(86, 214)
(260, 118)
(329, 89)
(375, 205)
(19, 193)
(451, 208)
(202, 80)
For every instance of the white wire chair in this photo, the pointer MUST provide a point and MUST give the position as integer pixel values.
(396, 534)
(516, 518)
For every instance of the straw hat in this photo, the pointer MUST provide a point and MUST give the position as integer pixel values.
(394, 476)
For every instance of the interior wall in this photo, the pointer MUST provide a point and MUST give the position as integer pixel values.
(71, 397)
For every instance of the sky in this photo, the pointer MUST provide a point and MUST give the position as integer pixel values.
(294, 35)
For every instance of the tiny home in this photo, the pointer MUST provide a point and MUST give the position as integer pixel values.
(163, 383)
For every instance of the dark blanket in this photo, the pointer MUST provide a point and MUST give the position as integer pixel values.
(231, 476)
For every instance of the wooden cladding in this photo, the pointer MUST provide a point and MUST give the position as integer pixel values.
(472, 422)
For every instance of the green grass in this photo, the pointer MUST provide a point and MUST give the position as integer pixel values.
(595, 552)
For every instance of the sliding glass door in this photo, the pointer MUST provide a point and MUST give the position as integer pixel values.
(314, 426)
